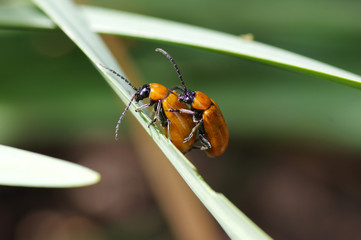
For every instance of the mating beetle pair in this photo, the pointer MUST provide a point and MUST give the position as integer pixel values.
(181, 123)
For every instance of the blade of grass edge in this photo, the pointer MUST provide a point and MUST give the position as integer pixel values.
(27, 169)
(66, 15)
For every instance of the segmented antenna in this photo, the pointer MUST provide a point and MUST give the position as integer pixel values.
(121, 117)
(122, 77)
(174, 65)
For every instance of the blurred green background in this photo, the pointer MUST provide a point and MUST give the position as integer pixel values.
(293, 159)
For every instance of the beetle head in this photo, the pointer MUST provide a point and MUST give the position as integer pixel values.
(142, 92)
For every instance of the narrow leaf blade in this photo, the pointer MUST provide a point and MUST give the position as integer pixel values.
(143, 27)
(27, 169)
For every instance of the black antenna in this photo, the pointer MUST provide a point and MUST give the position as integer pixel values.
(121, 117)
(174, 65)
(122, 77)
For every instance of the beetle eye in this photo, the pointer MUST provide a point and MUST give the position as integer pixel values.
(137, 97)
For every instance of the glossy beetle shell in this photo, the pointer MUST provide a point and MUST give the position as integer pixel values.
(181, 124)
(216, 130)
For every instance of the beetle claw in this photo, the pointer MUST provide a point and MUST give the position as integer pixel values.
(188, 138)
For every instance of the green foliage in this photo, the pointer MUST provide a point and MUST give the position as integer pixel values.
(138, 26)
(67, 17)
(27, 169)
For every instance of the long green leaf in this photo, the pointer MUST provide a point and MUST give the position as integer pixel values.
(67, 16)
(23, 16)
(143, 27)
(27, 169)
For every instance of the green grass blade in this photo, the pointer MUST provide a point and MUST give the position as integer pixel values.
(28, 169)
(144, 27)
(138, 26)
(23, 16)
(68, 18)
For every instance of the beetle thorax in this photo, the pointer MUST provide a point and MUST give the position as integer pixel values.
(187, 97)
(201, 101)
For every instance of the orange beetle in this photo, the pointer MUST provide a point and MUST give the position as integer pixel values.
(177, 125)
(210, 123)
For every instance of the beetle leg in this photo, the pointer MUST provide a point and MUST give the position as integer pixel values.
(156, 114)
(168, 124)
(144, 106)
(196, 127)
(187, 111)
(207, 145)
